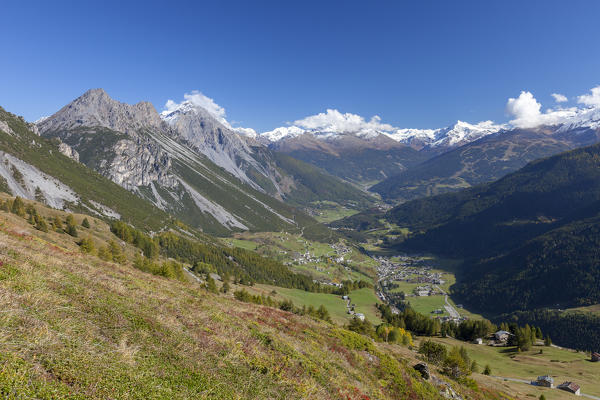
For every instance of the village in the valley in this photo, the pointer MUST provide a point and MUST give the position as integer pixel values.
(423, 280)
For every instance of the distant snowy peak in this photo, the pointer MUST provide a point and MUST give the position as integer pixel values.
(454, 135)
(581, 118)
(283, 132)
(172, 114)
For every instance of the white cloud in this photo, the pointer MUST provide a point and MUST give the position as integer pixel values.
(333, 121)
(527, 112)
(249, 132)
(592, 99)
(198, 99)
(559, 98)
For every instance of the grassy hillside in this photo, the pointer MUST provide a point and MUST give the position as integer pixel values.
(74, 327)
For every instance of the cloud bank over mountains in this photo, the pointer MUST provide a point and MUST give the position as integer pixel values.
(525, 112)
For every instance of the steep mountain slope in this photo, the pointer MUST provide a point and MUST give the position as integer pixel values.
(134, 147)
(483, 160)
(34, 168)
(224, 147)
(529, 239)
(351, 157)
(77, 327)
(244, 157)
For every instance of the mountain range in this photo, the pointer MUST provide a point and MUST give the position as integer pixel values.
(371, 154)
(484, 160)
(189, 164)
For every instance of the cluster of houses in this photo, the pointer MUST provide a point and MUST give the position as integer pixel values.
(548, 381)
(350, 308)
(406, 270)
(426, 290)
(328, 283)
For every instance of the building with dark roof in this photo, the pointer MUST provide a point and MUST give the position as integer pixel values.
(544, 380)
(570, 387)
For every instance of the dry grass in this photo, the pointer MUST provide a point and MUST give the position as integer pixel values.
(73, 326)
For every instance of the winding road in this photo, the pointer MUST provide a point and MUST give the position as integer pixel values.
(451, 310)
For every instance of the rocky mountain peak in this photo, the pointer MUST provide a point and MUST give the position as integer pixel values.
(96, 108)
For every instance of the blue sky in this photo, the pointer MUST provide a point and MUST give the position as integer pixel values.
(419, 64)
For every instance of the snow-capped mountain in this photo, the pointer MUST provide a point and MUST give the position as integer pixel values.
(454, 135)
(457, 134)
(581, 118)
(213, 138)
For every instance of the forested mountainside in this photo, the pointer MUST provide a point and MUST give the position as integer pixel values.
(528, 240)
(315, 184)
(134, 147)
(483, 160)
(352, 158)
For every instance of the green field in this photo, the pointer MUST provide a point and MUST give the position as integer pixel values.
(291, 248)
(364, 299)
(561, 364)
(426, 304)
(329, 211)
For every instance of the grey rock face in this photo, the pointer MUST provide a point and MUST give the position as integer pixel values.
(68, 151)
(4, 127)
(130, 162)
(139, 163)
(96, 108)
(218, 142)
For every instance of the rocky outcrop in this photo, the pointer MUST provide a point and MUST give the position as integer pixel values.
(139, 163)
(423, 369)
(68, 151)
(4, 127)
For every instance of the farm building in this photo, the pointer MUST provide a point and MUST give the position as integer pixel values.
(570, 387)
(545, 381)
(595, 357)
(501, 336)
(478, 341)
